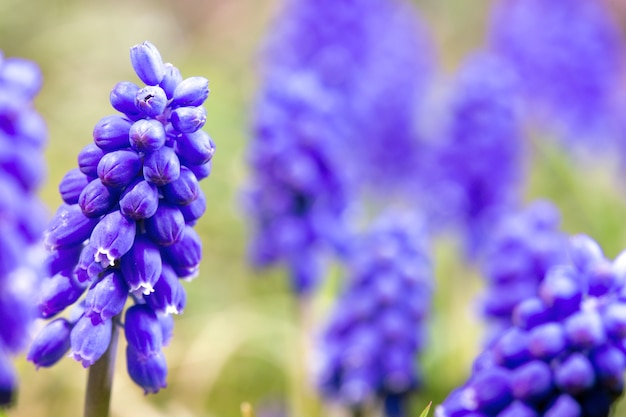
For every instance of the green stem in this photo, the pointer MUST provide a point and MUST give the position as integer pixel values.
(100, 380)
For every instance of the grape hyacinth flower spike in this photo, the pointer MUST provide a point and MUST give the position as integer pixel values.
(378, 327)
(23, 135)
(565, 354)
(126, 226)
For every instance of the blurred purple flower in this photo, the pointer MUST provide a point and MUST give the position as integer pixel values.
(565, 352)
(379, 324)
(569, 56)
(23, 135)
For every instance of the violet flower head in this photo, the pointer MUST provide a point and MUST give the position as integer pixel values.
(121, 231)
(569, 56)
(522, 248)
(477, 159)
(23, 135)
(565, 354)
(298, 196)
(342, 43)
(369, 347)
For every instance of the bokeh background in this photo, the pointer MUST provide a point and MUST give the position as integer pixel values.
(239, 340)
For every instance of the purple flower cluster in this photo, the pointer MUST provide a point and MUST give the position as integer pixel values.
(23, 135)
(126, 227)
(569, 56)
(565, 354)
(523, 246)
(378, 327)
(342, 42)
(478, 161)
(298, 198)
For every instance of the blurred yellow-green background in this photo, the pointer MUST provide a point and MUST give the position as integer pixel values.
(239, 340)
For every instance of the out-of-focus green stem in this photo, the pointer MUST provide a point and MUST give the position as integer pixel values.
(100, 380)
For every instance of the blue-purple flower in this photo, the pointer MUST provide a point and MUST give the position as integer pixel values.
(476, 159)
(518, 254)
(569, 56)
(23, 135)
(565, 353)
(369, 348)
(121, 231)
(377, 58)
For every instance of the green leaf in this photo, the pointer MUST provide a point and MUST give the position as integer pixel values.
(426, 410)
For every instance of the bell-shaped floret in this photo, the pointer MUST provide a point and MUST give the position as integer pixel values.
(72, 185)
(107, 298)
(166, 226)
(149, 372)
(89, 341)
(192, 91)
(169, 296)
(51, 344)
(142, 330)
(59, 292)
(113, 237)
(185, 255)
(68, 227)
(147, 63)
(141, 265)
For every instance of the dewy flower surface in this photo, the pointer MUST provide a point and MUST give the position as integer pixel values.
(565, 353)
(22, 137)
(125, 228)
(378, 327)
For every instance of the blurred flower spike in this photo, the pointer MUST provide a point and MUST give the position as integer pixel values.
(126, 225)
(564, 354)
(369, 348)
(23, 135)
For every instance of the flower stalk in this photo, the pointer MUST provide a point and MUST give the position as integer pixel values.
(100, 380)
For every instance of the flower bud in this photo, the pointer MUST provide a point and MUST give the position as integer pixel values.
(194, 210)
(140, 200)
(63, 257)
(532, 382)
(22, 74)
(141, 265)
(151, 101)
(88, 268)
(89, 341)
(111, 133)
(169, 296)
(609, 364)
(59, 292)
(51, 344)
(119, 168)
(147, 63)
(112, 237)
(167, 327)
(122, 98)
(201, 171)
(183, 190)
(162, 166)
(564, 405)
(147, 135)
(142, 330)
(96, 199)
(188, 119)
(72, 184)
(167, 225)
(575, 374)
(584, 330)
(489, 391)
(547, 341)
(584, 251)
(68, 227)
(192, 91)
(171, 79)
(107, 298)
(185, 255)
(149, 372)
(614, 319)
(88, 160)
(195, 148)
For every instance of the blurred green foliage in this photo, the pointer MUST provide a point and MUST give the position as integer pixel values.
(240, 339)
